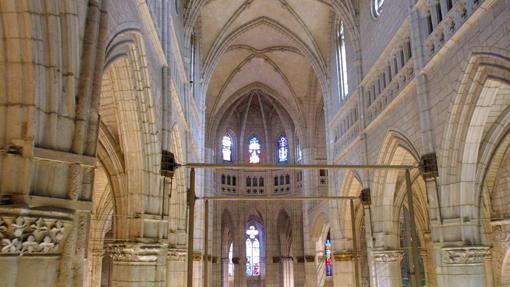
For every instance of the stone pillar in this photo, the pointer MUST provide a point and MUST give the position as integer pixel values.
(310, 270)
(343, 269)
(33, 241)
(138, 264)
(500, 245)
(95, 268)
(462, 266)
(224, 272)
(386, 268)
(287, 264)
(240, 276)
(176, 268)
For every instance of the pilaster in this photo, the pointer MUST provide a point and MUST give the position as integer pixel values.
(386, 268)
(135, 262)
(32, 240)
(462, 266)
(343, 268)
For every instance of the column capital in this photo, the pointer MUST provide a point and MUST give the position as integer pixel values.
(388, 256)
(176, 254)
(343, 255)
(135, 251)
(464, 255)
(98, 252)
(36, 234)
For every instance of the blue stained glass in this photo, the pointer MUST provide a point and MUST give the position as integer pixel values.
(329, 258)
(283, 149)
(254, 149)
(230, 260)
(252, 252)
(226, 149)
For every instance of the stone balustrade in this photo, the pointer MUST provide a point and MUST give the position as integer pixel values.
(442, 19)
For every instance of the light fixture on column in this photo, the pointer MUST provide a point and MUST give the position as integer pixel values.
(428, 166)
(168, 167)
(365, 197)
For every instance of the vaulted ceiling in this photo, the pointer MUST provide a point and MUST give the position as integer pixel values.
(279, 46)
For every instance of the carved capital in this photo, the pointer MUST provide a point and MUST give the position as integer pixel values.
(467, 255)
(344, 255)
(134, 251)
(197, 256)
(387, 256)
(20, 235)
(176, 255)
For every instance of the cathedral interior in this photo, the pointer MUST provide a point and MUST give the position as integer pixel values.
(255, 143)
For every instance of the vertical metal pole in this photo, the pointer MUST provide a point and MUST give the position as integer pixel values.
(354, 245)
(206, 242)
(191, 225)
(414, 262)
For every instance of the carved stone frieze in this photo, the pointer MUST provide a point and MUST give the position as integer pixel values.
(176, 255)
(31, 235)
(197, 256)
(469, 255)
(387, 256)
(344, 255)
(134, 252)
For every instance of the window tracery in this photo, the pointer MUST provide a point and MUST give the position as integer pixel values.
(252, 252)
(328, 255)
(231, 260)
(377, 7)
(343, 86)
(254, 149)
(226, 149)
(283, 149)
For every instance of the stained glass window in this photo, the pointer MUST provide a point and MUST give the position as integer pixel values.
(226, 149)
(283, 149)
(328, 254)
(254, 149)
(252, 252)
(343, 86)
(299, 153)
(377, 7)
(230, 260)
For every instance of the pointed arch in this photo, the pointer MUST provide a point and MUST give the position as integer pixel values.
(285, 244)
(464, 167)
(221, 45)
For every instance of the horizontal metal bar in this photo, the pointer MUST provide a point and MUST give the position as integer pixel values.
(273, 198)
(296, 166)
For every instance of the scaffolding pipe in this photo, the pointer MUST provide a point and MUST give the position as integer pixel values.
(206, 242)
(414, 262)
(354, 244)
(274, 198)
(191, 225)
(297, 166)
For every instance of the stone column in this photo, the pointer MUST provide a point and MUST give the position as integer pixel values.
(386, 268)
(176, 268)
(500, 245)
(310, 270)
(138, 264)
(462, 266)
(287, 264)
(95, 268)
(343, 269)
(32, 241)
